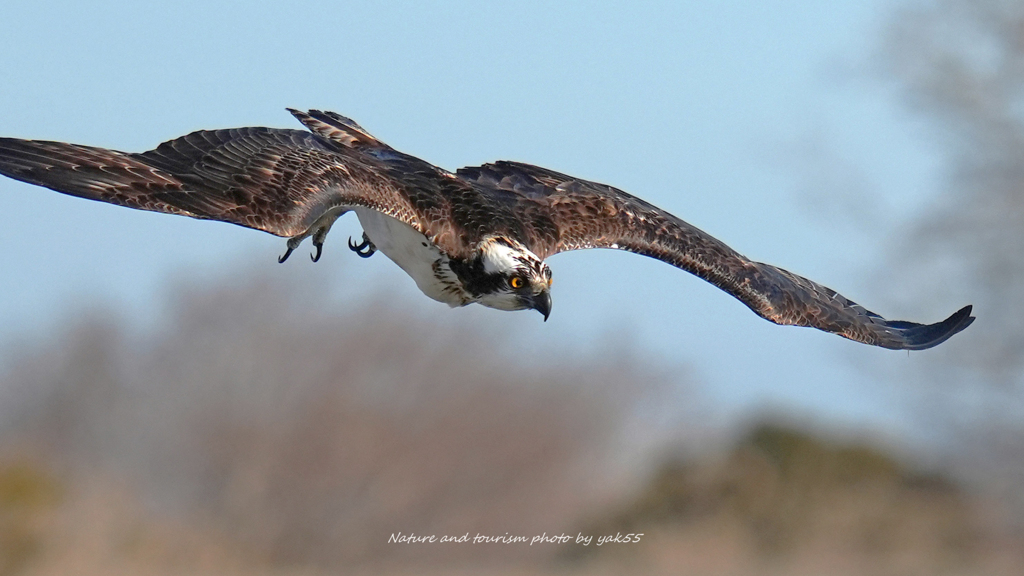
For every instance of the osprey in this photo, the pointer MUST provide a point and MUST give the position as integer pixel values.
(479, 235)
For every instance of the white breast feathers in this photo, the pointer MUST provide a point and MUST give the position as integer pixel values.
(416, 254)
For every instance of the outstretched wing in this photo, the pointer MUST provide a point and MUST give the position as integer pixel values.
(563, 213)
(278, 181)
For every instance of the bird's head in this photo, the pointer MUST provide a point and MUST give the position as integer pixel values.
(508, 276)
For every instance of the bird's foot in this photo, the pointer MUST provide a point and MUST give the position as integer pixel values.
(364, 250)
(318, 231)
(318, 238)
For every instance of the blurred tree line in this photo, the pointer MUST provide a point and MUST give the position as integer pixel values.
(265, 429)
(311, 434)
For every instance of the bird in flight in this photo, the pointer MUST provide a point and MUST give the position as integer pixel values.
(481, 234)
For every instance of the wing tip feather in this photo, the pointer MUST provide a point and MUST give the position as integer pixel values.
(923, 336)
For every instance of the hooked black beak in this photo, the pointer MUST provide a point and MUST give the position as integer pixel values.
(542, 304)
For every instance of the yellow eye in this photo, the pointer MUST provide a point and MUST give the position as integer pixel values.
(516, 282)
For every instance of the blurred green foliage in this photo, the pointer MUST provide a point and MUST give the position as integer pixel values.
(786, 490)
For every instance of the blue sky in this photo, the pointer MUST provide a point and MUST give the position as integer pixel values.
(756, 122)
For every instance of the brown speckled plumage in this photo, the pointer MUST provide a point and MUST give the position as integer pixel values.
(282, 181)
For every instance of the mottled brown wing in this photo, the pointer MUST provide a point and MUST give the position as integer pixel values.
(456, 214)
(564, 213)
(278, 181)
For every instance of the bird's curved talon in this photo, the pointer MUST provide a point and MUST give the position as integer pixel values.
(285, 255)
(364, 250)
(293, 243)
(319, 251)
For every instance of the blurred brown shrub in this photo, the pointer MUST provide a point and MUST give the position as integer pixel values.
(27, 493)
